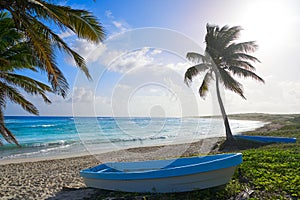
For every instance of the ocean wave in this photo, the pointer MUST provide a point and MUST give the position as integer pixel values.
(160, 137)
(42, 152)
(49, 144)
(122, 140)
(43, 125)
(47, 125)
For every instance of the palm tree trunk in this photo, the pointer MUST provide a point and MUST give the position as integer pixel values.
(225, 118)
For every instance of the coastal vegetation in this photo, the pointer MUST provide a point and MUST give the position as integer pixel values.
(267, 172)
(35, 25)
(223, 57)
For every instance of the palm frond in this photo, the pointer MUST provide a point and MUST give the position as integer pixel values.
(245, 73)
(15, 96)
(241, 63)
(230, 83)
(189, 74)
(5, 132)
(205, 83)
(2, 99)
(196, 57)
(212, 43)
(18, 56)
(3, 15)
(63, 46)
(45, 53)
(194, 71)
(246, 47)
(240, 56)
(30, 17)
(218, 39)
(82, 22)
(211, 33)
(202, 67)
(86, 26)
(227, 35)
(29, 85)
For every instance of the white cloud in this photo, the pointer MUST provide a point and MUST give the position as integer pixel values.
(122, 62)
(117, 24)
(109, 14)
(131, 60)
(120, 25)
(123, 87)
(145, 86)
(66, 34)
(90, 51)
(82, 95)
(156, 51)
(87, 103)
(273, 97)
(179, 67)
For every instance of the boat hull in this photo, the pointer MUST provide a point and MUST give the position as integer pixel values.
(166, 185)
(163, 176)
(267, 139)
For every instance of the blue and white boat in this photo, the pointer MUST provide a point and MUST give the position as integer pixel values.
(175, 175)
(267, 139)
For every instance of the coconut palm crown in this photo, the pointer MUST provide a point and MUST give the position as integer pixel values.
(34, 25)
(223, 58)
(16, 55)
(36, 19)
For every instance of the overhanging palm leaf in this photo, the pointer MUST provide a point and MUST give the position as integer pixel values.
(58, 42)
(205, 84)
(230, 83)
(194, 71)
(223, 58)
(245, 73)
(8, 91)
(16, 97)
(196, 57)
(239, 56)
(250, 46)
(45, 53)
(82, 22)
(29, 85)
(7, 134)
(17, 54)
(241, 64)
(29, 17)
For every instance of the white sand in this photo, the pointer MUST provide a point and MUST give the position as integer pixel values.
(47, 179)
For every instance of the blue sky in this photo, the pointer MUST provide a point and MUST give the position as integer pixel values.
(125, 66)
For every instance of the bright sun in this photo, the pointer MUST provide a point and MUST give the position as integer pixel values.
(267, 22)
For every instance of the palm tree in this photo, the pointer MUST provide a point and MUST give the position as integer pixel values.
(223, 57)
(31, 17)
(16, 54)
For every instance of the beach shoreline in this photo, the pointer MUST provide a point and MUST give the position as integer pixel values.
(57, 177)
(45, 179)
(62, 148)
(208, 143)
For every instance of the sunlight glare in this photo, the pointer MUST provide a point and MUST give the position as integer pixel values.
(267, 22)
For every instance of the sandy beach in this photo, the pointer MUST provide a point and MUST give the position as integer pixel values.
(59, 178)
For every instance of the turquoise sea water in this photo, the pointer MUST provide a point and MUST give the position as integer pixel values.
(55, 136)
